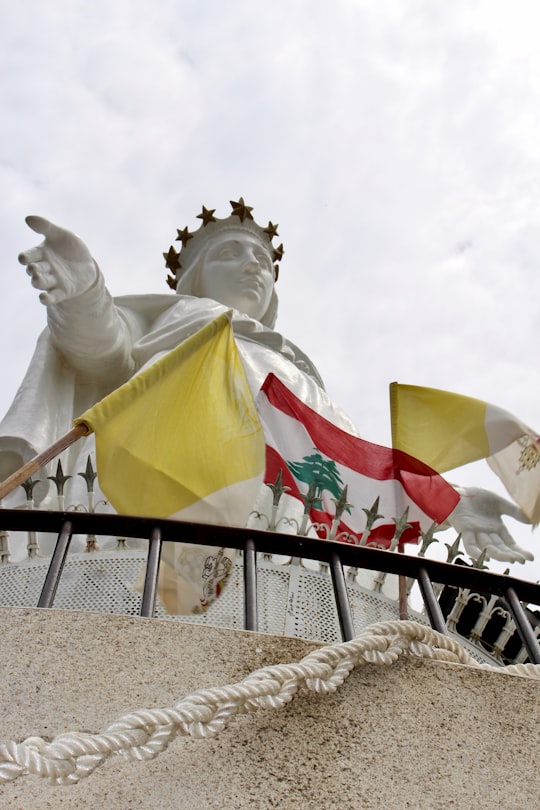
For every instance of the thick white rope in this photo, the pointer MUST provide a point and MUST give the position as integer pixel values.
(143, 734)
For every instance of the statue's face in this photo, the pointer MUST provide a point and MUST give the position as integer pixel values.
(238, 271)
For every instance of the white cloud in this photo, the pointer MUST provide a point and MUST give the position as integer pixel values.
(395, 143)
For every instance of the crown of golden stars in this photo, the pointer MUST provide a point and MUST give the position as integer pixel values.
(192, 241)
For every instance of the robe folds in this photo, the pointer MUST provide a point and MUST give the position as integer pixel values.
(56, 389)
(92, 345)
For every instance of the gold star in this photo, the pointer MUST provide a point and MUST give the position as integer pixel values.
(271, 230)
(172, 282)
(240, 209)
(278, 253)
(183, 236)
(171, 259)
(207, 215)
(276, 272)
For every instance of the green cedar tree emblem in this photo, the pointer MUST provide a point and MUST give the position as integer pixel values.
(320, 472)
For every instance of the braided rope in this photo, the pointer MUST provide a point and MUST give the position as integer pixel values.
(143, 734)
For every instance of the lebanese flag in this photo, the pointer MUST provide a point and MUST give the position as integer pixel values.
(307, 448)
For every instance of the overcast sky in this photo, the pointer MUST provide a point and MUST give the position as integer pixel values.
(395, 143)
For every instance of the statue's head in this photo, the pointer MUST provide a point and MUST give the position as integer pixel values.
(230, 260)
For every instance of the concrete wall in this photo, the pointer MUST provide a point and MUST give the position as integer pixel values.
(415, 734)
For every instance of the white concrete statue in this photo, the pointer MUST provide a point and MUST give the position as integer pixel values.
(93, 343)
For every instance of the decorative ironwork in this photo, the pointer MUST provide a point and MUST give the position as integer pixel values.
(59, 479)
(484, 619)
(335, 555)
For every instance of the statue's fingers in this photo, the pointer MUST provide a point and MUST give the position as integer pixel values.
(498, 544)
(49, 297)
(59, 241)
(471, 544)
(504, 537)
(41, 276)
(507, 545)
(486, 543)
(505, 554)
(31, 256)
(502, 546)
(515, 512)
(42, 225)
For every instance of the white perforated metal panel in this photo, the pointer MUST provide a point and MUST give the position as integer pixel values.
(292, 599)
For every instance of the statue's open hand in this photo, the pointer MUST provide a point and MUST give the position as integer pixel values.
(61, 265)
(478, 518)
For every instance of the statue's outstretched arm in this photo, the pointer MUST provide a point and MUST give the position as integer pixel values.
(478, 517)
(85, 325)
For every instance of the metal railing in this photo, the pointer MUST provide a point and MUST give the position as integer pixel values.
(513, 591)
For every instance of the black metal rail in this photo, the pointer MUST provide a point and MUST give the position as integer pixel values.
(514, 591)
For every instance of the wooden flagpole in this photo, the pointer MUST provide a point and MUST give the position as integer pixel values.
(32, 466)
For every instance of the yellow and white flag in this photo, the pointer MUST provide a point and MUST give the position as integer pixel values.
(518, 467)
(182, 440)
(446, 430)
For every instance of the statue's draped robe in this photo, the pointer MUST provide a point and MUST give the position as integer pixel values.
(54, 391)
(94, 344)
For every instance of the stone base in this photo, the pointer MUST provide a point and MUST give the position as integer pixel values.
(416, 734)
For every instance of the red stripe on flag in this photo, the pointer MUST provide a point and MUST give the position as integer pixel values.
(275, 463)
(422, 484)
(380, 536)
